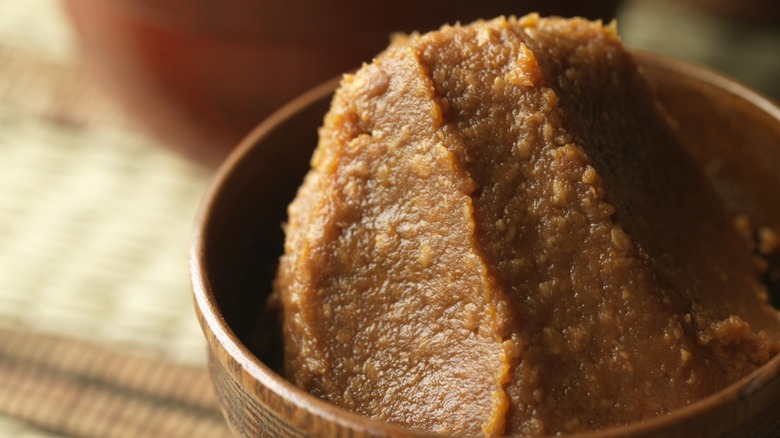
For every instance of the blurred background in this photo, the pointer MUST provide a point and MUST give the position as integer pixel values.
(113, 117)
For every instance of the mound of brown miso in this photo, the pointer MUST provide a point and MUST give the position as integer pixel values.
(501, 235)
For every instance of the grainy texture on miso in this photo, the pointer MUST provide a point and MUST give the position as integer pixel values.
(500, 234)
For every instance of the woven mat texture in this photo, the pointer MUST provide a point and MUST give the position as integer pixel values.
(98, 336)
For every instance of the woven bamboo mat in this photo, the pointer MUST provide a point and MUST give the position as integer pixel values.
(98, 336)
(81, 389)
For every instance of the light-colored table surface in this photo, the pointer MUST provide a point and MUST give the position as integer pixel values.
(98, 335)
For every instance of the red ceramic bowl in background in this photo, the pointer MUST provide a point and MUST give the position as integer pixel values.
(732, 132)
(202, 73)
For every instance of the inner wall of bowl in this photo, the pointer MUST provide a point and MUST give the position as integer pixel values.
(244, 238)
(734, 139)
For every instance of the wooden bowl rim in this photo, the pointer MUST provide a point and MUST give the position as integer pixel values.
(217, 329)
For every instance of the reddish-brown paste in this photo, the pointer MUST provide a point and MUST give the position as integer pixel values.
(501, 235)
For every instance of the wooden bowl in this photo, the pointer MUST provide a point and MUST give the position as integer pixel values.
(732, 131)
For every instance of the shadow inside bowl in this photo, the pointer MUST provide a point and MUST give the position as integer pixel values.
(243, 237)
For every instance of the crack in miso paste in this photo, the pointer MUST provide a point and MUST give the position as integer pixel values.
(501, 235)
